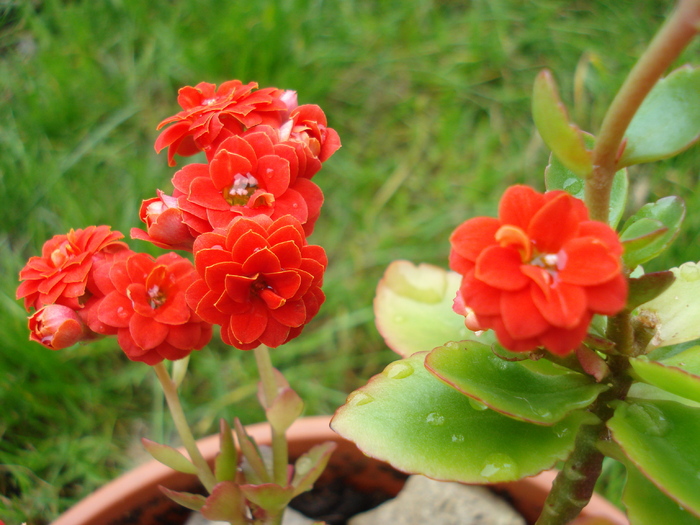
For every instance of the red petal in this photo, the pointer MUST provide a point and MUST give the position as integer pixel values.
(115, 310)
(473, 236)
(225, 166)
(261, 261)
(284, 283)
(275, 334)
(608, 298)
(291, 314)
(480, 297)
(563, 306)
(238, 287)
(146, 332)
(561, 341)
(274, 172)
(248, 327)
(518, 205)
(520, 316)
(287, 253)
(554, 224)
(588, 262)
(500, 267)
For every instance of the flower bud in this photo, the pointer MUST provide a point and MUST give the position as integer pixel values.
(164, 224)
(56, 326)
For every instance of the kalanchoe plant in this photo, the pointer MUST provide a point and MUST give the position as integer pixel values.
(244, 216)
(566, 350)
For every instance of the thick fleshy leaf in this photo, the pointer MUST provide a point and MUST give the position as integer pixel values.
(254, 466)
(269, 496)
(668, 121)
(535, 391)
(559, 134)
(226, 503)
(226, 461)
(187, 500)
(669, 212)
(558, 177)
(679, 374)
(169, 456)
(413, 307)
(647, 505)
(647, 287)
(285, 409)
(661, 439)
(411, 419)
(675, 313)
(309, 466)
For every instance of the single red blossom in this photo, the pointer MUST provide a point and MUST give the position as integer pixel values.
(538, 273)
(231, 109)
(165, 226)
(60, 275)
(249, 175)
(56, 327)
(259, 280)
(309, 128)
(144, 304)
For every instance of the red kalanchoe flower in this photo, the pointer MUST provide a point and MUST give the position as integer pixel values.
(164, 224)
(60, 275)
(249, 175)
(56, 327)
(144, 303)
(538, 273)
(232, 108)
(260, 280)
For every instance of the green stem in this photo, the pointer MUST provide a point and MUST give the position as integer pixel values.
(672, 38)
(206, 476)
(280, 453)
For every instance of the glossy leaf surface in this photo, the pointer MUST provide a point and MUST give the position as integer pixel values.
(558, 177)
(309, 466)
(679, 374)
(413, 307)
(661, 439)
(675, 313)
(558, 133)
(669, 212)
(408, 417)
(668, 121)
(647, 505)
(535, 391)
(226, 503)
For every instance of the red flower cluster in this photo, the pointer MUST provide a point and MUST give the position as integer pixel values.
(262, 150)
(538, 273)
(260, 280)
(245, 214)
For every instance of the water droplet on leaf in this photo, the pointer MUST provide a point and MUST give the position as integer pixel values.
(477, 405)
(457, 438)
(398, 370)
(573, 186)
(359, 398)
(690, 271)
(649, 419)
(435, 419)
(500, 467)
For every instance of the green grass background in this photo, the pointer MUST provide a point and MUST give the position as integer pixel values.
(431, 100)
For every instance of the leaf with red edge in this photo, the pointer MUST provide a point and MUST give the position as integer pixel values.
(226, 503)
(187, 500)
(561, 136)
(647, 287)
(310, 465)
(661, 439)
(169, 456)
(285, 409)
(226, 461)
(678, 374)
(413, 307)
(270, 497)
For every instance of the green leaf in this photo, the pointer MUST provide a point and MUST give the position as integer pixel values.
(169, 456)
(669, 212)
(411, 419)
(413, 308)
(661, 439)
(254, 466)
(535, 391)
(285, 409)
(668, 120)
(226, 461)
(226, 503)
(269, 496)
(187, 500)
(679, 374)
(558, 177)
(647, 505)
(675, 313)
(643, 232)
(309, 466)
(647, 287)
(561, 136)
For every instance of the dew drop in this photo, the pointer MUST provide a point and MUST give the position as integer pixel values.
(500, 364)
(452, 345)
(573, 186)
(398, 370)
(435, 419)
(477, 405)
(457, 438)
(542, 412)
(690, 271)
(500, 467)
(649, 419)
(358, 398)
(303, 465)
(121, 311)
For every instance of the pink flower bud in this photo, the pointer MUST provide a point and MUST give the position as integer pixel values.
(56, 326)
(164, 224)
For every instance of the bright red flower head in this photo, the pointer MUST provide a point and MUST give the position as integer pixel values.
(259, 280)
(56, 327)
(144, 304)
(538, 273)
(60, 275)
(248, 175)
(231, 109)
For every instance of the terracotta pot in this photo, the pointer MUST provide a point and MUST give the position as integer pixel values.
(135, 499)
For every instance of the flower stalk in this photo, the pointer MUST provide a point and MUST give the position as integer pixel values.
(204, 473)
(667, 45)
